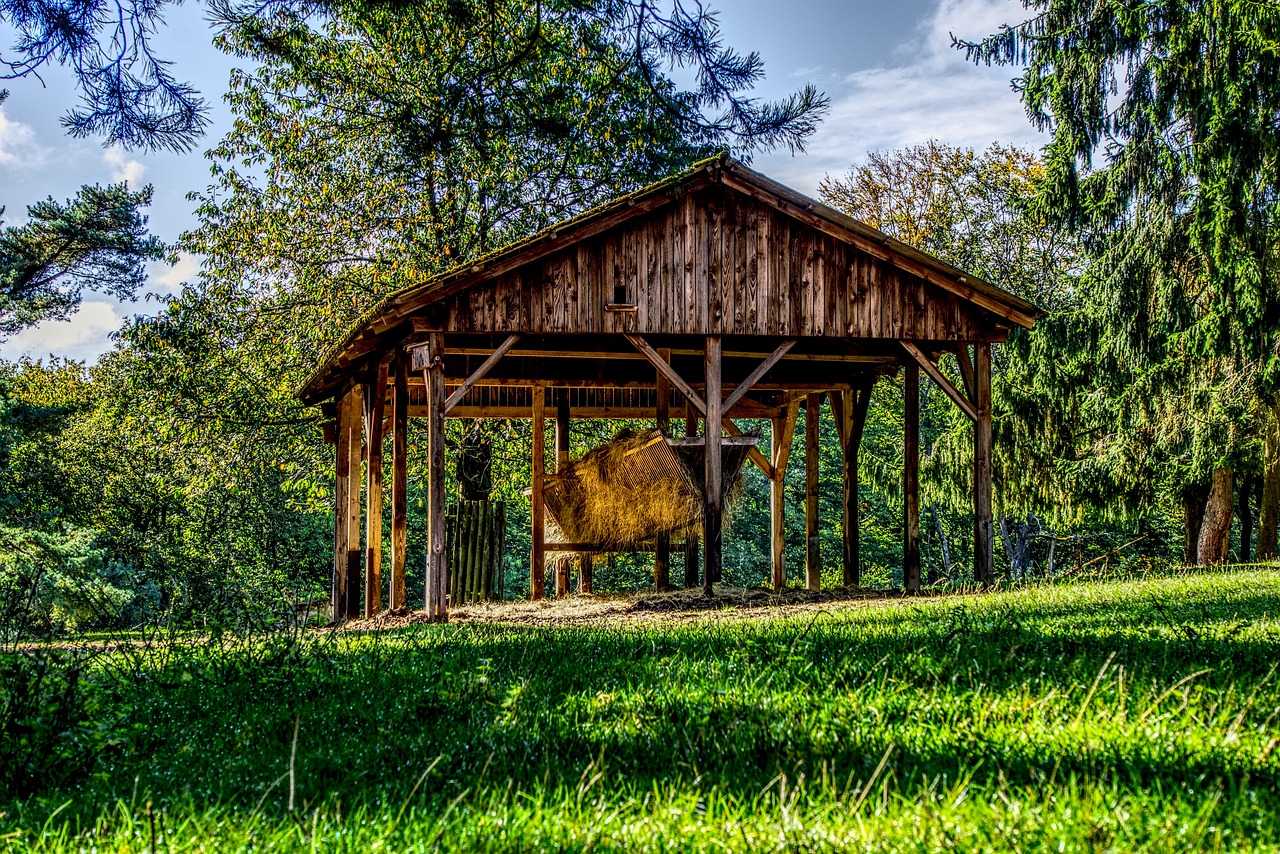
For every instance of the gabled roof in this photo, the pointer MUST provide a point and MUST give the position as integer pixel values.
(375, 325)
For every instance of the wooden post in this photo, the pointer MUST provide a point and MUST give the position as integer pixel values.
(355, 457)
(855, 418)
(662, 548)
(711, 545)
(691, 544)
(341, 490)
(911, 479)
(375, 401)
(437, 555)
(780, 441)
(562, 461)
(399, 479)
(585, 582)
(983, 571)
(537, 568)
(562, 575)
(812, 554)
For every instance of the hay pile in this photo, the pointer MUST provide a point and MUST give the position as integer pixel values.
(624, 494)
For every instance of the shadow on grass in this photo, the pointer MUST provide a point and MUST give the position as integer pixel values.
(1005, 691)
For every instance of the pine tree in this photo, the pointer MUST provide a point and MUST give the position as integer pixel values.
(1180, 103)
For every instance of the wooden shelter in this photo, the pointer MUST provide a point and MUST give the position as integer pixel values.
(717, 294)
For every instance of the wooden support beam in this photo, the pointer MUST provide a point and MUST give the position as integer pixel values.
(537, 552)
(616, 355)
(911, 479)
(612, 413)
(760, 370)
(667, 371)
(662, 552)
(711, 523)
(983, 569)
(586, 568)
(375, 402)
(966, 369)
(923, 361)
(786, 385)
(854, 406)
(840, 415)
(399, 479)
(780, 438)
(812, 552)
(479, 373)
(437, 583)
(753, 453)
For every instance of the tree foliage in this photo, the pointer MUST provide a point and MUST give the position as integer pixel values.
(1180, 103)
(131, 97)
(98, 240)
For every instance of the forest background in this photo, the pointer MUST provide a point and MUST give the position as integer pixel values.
(179, 480)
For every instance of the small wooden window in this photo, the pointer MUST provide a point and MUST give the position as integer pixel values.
(620, 299)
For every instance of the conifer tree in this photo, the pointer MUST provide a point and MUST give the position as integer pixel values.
(1165, 145)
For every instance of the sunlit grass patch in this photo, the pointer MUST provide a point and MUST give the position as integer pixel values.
(1121, 715)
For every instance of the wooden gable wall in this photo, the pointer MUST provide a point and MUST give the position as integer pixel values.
(719, 262)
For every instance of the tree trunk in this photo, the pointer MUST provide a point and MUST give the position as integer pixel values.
(1269, 506)
(1244, 509)
(1215, 530)
(942, 543)
(1194, 498)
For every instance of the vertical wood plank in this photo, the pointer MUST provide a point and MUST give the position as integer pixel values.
(911, 478)
(750, 249)
(691, 283)
(711, 523)
(375, 407)
(537, 552)
(585, 572)
(983, 571)
(437, 555)
(812, 554)
(764, 267)
(399, 479)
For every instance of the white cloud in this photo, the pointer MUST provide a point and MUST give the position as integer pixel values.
(18, 146)
(124, 168)
(169, 278)
(83, 336)
(934, 94)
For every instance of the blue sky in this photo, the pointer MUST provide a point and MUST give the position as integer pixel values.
(887, 65)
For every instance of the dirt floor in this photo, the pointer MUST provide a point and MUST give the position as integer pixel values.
(645, 606)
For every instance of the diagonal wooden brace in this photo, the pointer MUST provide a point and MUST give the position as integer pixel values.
(479, 373)
(667, 371)
(760, 371)
(943, 383)
(753, 453)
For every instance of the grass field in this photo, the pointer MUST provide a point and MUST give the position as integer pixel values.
(1133, 715)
